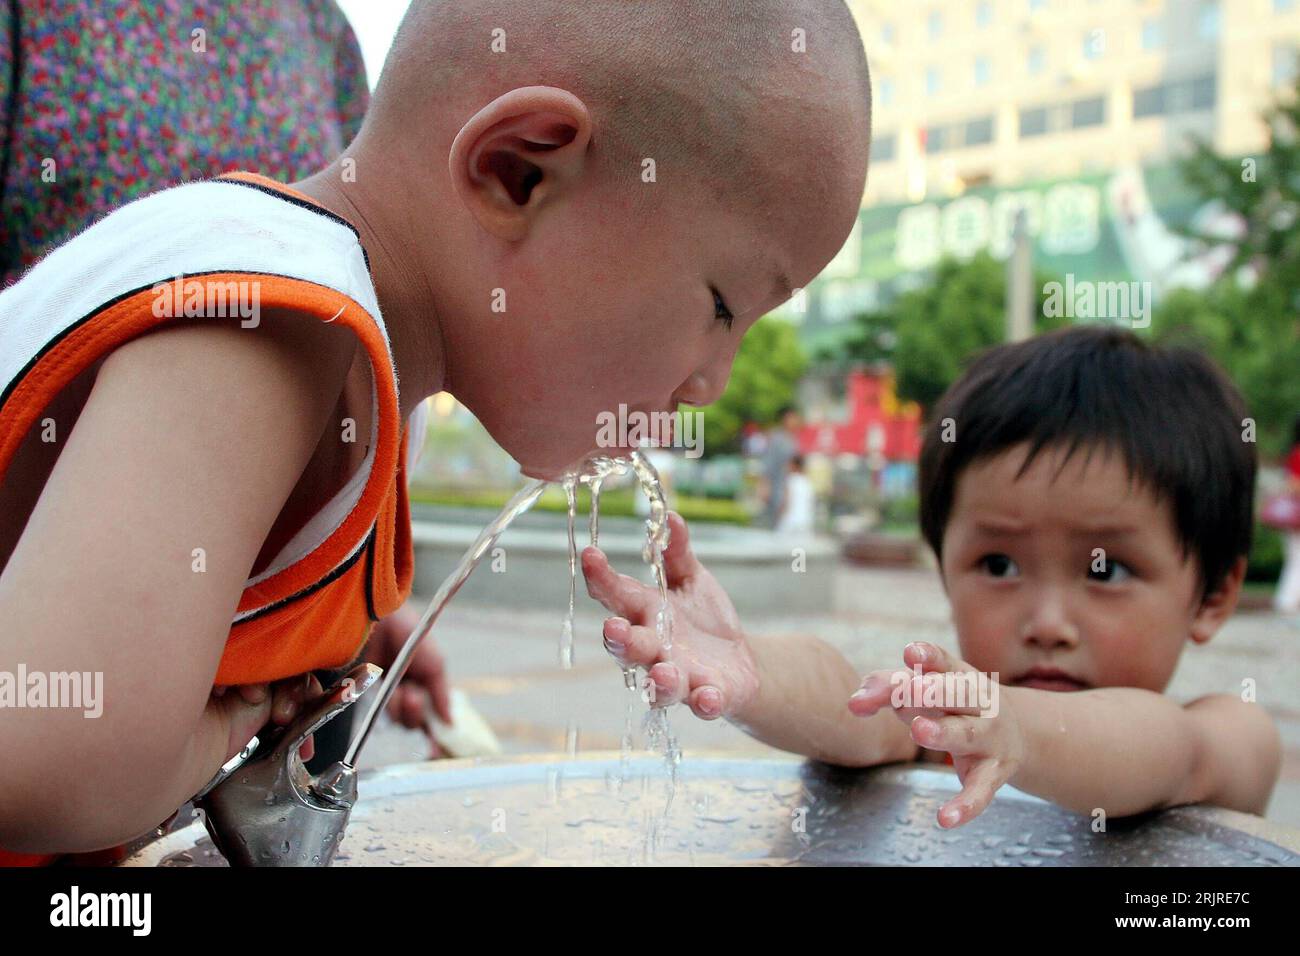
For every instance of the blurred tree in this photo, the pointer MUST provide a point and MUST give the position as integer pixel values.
(928, 333)
(1248, 320)
(763, 380)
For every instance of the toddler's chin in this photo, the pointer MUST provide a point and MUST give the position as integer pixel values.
(577, 466)
(541, 474)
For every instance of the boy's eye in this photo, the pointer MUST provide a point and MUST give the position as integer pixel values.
(1112, 573)
(999, 565)
(720, 310)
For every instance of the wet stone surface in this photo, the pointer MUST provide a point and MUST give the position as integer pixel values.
(541, 812)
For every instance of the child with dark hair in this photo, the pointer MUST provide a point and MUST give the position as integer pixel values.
(1089, 500)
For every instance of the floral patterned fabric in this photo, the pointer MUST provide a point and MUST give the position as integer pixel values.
(102, 101)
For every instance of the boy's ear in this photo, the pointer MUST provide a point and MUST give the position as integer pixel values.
(1219, 604)
(517, 154)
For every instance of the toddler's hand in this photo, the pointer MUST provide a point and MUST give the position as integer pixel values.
(424, 688)
(987, 751)
(710, 665)
(256, 704)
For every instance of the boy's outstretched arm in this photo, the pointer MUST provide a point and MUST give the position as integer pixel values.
(787, 692)
(1122, 750)
(192, 437)
(799, 707)
(1135, 750)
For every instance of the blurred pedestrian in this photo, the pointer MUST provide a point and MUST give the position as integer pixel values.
(799, 512)
(1287, 598)
(782, 446)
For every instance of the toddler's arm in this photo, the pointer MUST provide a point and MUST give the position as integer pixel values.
(192, 437)
(1121, 750)
(1126, 750)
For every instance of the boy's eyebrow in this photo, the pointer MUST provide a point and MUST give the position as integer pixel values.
(1102, 529)
(1000, 527)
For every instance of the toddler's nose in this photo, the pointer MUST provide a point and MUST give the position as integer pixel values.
(1050, 625)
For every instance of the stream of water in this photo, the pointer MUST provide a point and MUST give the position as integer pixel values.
(655, 726)
(524, 499)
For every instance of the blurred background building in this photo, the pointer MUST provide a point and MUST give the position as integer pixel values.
(1074, 110)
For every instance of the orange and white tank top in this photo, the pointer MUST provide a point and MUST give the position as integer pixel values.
(312, 607)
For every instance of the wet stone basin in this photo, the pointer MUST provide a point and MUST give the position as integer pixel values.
(593, 809)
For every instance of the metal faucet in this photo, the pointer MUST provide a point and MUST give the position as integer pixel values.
(263, 808)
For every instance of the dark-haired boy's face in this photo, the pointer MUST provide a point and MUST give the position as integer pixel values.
(1070, 581)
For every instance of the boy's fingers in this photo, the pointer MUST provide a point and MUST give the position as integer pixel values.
(708, 702)
(669, 686)
(241, 719)
(873, 694)
(619, 593)
(631, 645)
(429, 670)
(931, 695)
(931, 658)
(254, 693)
(959, 736)
(287, 697)
(413, 706)
(680, 562)
(979, 785)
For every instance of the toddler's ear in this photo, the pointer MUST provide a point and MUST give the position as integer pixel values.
(517, 153)
(1219, 604)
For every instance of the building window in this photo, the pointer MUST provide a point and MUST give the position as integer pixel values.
(932, 84)
(1283, 6)
(1284, 65)
(1179, 96)
(1089, 112)
(1037, 60)
(1149, 101)
(1094, 44)
(979, 132)
(1153, 34)
(886, 91)
(1033, 122)
(983, 71)
(983, 13)
(936, 139)
(1035, 5)
(935, 24)
(884, 148)
(1204, 92)
(1207, 23)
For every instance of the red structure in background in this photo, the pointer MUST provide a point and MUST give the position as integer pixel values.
(871, 405)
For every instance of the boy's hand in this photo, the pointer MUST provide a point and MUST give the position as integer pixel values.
(710, 665)
(986, 751)
(424, 686)
(252, 706)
